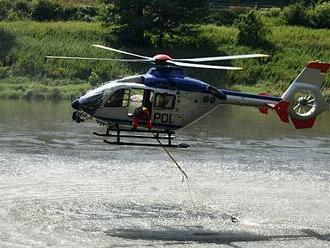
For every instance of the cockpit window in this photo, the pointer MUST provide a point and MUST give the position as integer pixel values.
(164, 101)
(119, 99)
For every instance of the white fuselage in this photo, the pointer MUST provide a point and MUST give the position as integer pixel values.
(185, 108)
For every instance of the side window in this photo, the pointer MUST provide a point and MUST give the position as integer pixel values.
(119, 99)
(164, 101)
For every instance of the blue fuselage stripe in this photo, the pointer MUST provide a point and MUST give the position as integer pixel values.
(261, 97)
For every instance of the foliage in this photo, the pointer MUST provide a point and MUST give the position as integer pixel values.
(46, 10)
(320, 15)
(4, 72)
(94, 79)
(296, 14)
(172, 16)
(129, 17)
(23, 9)
(272, 12)
(25, 54)
(252, 31)
(137, 19)
(315, 15)
(4, 9)
(254, 2)
(25, 68)
(224, 16)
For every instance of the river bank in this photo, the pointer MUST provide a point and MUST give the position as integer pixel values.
(25, 73)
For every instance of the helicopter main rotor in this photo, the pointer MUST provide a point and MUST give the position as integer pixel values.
(163, 59)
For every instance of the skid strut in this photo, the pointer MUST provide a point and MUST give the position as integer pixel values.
(117, 133)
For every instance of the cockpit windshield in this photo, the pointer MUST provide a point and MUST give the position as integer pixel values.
(119, 99)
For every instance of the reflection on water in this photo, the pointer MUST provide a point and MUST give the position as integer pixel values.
(61, 186)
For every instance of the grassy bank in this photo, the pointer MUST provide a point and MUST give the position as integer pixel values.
(25, 73)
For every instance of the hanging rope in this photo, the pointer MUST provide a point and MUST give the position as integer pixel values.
(184, 174)
(233, 218)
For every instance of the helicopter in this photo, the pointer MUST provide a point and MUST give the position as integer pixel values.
(175, 100)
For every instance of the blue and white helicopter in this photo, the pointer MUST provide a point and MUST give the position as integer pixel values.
(175, 100)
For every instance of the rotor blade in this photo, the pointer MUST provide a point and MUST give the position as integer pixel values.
(102, 59)
(203, 66)
(207, 59)
(123, 52)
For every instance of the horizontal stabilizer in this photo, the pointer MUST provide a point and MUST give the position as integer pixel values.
(281, 109)
(263, 110)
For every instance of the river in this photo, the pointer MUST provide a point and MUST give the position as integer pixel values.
(60, 186)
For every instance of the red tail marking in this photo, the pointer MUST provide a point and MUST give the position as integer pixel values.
(323, 67)
(263, 110)
(300, 124)
(282, 110)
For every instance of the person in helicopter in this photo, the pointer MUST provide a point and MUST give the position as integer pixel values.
(141, 114)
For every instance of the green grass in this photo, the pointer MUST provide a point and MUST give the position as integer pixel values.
(21, 87)
(25, 73)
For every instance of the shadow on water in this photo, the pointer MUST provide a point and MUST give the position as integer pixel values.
(200, 236)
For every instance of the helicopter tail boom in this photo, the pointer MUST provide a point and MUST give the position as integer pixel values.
(302, 102)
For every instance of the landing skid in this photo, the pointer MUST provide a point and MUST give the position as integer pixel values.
(116, 132)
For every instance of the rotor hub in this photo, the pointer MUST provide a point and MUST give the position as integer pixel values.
(161, 58)
(303, 101)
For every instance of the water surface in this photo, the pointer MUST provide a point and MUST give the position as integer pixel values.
(60, 186)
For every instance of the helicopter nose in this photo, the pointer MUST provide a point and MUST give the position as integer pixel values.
(75, 104)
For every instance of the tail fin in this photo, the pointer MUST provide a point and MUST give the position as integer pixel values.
(304, 95)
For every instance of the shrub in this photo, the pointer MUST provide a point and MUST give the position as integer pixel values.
(320, 15)
(272, 12)
(4, 8)
(4, 72)
(296, 14)
(94, 79)
(223, 17)
(55, 94)
(34, 94)
(23, 9)
(85, 13)
(45, 10)
(252, 31)
(9, 94)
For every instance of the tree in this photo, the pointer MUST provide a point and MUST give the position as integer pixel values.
(129, 17)
(252, 31)
(136, 19)
(296, 14)
(45, 10)
(172, 17)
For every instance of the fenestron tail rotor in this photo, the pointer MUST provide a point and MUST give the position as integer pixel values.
(165, 60)
(304, 103)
